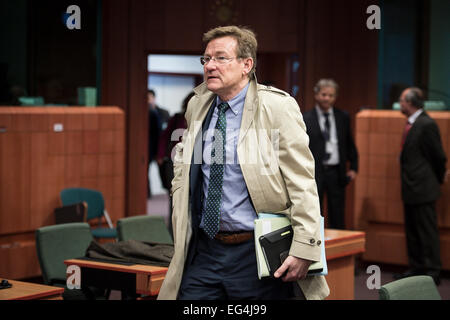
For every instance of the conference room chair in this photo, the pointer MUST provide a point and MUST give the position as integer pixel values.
(144, 228)
(411, 288)
(60, 242)
(95, 209)
(71, 213)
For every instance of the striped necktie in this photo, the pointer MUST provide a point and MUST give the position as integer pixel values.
(214, 197)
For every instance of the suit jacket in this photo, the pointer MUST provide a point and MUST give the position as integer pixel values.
(154, 132)
(164, 115)
(346, 145)
(278, 182)
(422, 162)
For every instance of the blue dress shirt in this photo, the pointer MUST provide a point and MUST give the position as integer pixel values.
(237, 212)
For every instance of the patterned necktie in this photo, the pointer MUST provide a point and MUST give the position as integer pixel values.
(326, 134)
(214, 197)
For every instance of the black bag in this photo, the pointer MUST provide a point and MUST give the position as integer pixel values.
(71, 213)
(275, 246)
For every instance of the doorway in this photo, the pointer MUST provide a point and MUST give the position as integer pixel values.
(172, 78)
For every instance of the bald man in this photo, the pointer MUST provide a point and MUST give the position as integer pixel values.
(423, 162)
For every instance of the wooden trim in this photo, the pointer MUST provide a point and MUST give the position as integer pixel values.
(31, 291)
(341, 235)
(149, 286)
(54, 295)
(345, 254)
(343, 243)
(137, 268)
(149, 279)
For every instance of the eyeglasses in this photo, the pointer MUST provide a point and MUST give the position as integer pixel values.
(220, 60)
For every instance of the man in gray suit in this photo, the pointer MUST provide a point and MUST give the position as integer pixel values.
(422, 161)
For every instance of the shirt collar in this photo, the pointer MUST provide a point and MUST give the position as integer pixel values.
(237, 103)
(320, 111)
(412, 118)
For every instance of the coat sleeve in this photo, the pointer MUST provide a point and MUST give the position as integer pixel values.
(297, 167)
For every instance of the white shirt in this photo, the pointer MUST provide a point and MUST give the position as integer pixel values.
(412, 118)
(331, 146)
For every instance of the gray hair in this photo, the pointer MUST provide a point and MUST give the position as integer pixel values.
(322, 83)
(415, 96)
(246, 41)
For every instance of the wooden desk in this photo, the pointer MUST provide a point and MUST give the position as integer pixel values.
(139, 279)
(341, 246)
(30, 291)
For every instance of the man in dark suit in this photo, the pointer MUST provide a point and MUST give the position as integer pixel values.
(332, 146)
(422, 163)
(163, 114)
(157, 122)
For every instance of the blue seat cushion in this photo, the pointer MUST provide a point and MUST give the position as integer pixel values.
(104, 233)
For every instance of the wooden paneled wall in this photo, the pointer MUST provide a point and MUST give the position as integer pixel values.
(330, 38)
(338, 45)
(37, 162)
(378, 204)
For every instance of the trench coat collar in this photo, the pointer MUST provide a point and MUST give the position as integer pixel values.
(206, 98)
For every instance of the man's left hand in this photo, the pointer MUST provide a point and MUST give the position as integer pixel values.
(295, 268)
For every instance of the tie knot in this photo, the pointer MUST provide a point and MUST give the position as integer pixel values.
(222, 107)
(326, 114)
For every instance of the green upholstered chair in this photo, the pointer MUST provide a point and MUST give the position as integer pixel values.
(411, 288)
(60, 242)
(95, 209)
(144, 228)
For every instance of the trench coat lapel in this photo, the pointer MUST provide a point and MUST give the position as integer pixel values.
(250, 106)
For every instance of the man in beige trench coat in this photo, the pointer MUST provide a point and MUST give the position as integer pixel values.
(265, 166)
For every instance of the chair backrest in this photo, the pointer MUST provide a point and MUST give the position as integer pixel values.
(93, 198)
(60, 242)
(411, 288)
(144, 228)
(71, 213)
